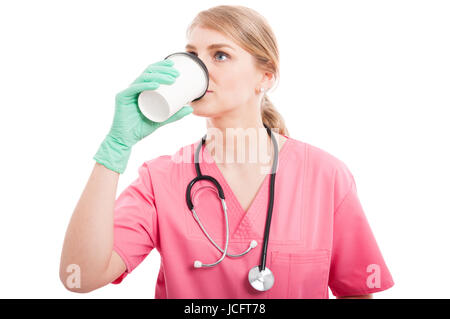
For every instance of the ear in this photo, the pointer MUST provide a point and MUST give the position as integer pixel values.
(268, 80)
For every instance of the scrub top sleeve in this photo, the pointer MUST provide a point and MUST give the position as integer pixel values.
(134, 222)
(357, 266)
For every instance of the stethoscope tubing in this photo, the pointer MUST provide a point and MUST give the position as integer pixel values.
(221, 195)
(262, 265)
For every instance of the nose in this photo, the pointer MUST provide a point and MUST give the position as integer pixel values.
(208, 67)
(205, 62)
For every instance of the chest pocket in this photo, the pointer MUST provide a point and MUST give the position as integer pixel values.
(299, 275)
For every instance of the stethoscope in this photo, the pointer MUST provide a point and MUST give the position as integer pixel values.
(260, 277)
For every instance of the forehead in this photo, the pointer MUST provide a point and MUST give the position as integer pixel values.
(201, 36)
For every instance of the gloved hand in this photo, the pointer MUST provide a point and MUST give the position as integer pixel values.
(129, 124)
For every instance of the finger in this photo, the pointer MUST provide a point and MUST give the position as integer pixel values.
(185, 110)
(162, 69)
(137, 88)
(166, 62)
(155, 77)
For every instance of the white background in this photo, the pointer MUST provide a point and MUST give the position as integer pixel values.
(367, 81)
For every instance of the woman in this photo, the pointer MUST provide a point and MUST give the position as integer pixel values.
(319, 236)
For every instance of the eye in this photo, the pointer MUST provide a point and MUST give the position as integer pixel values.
(217, 53)
(221, 53)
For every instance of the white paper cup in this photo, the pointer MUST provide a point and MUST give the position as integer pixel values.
(160, 104)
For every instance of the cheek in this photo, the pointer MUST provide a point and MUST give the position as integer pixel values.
(239, 92)
(233, 84)
(236, 86)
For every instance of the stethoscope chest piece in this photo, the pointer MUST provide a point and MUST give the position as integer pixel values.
(261, 280)
(260, 277)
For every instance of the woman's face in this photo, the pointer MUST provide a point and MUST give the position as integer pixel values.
(233, 77)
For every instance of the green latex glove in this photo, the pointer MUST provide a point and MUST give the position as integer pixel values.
(130, 125)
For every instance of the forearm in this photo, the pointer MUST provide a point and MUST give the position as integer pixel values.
(89, 237)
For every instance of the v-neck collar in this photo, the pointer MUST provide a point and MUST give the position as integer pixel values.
(242, 223)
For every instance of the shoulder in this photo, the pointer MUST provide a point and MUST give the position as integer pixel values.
(170, 164)
(322, 164)
(325, 158)
(316, 156)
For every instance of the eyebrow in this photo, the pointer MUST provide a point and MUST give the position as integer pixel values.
(212, 46)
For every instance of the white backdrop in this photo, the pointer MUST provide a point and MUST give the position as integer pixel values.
(367, 81)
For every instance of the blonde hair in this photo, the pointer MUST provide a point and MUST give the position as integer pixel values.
(251, 31)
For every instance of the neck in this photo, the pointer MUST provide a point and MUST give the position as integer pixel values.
(238, 142)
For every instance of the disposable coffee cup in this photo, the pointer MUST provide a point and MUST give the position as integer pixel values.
(191, 85)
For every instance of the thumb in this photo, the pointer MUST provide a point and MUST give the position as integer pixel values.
(185, 110)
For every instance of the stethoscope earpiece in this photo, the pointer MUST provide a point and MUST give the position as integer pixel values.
(260, 277)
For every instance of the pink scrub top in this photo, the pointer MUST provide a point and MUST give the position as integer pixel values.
(319, 235)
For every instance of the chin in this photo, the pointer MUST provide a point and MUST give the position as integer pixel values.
(200, 109)
(204, 109)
